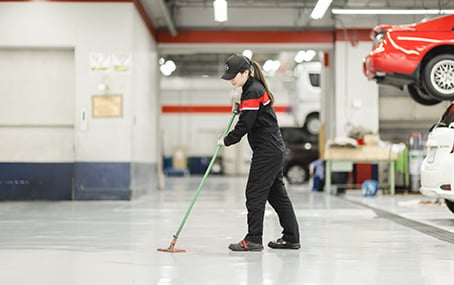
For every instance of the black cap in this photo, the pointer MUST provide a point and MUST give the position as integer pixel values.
(235, 64)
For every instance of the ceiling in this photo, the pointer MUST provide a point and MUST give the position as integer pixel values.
(252, 14)
(287, 15)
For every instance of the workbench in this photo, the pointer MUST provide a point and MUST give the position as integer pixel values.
(337, 158)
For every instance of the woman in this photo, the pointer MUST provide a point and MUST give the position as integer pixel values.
(265, 182)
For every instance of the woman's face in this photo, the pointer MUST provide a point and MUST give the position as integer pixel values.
(240, 79)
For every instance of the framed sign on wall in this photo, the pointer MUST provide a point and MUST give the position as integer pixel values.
(107, 106)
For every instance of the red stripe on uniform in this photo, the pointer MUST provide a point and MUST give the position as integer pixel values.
(254, 104)
(250, 104)
(266, 99)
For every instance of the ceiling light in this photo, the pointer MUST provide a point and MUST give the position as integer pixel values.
(299, 57)
(220, 10)
(271, 65)
(168, 67)
(102, 86)
(390, 11)
(305, 56)
(310, 54)
(320, 9)
(248, 53)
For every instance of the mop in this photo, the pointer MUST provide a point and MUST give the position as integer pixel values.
(171, 247)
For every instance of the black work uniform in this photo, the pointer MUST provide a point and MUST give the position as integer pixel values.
(265, 182)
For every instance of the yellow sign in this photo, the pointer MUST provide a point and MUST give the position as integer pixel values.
(107, 106)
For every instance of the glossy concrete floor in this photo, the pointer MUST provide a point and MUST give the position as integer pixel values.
(346, 239)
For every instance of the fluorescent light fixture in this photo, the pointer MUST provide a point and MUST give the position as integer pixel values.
(320, 9)
(168, 67)
(248, 53)
(299, 57)
(310, 54)
(305, 56)
(271, 65)
(220, 10)
(390, 11)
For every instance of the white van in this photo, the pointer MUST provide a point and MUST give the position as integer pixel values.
(306, 102)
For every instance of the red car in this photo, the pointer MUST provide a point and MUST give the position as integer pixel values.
(419, 56)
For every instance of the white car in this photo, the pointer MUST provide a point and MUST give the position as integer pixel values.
(437, 171)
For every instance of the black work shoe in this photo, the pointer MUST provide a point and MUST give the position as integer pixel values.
(282, 244)
(245, 245)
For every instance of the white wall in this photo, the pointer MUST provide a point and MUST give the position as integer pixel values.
(356, 98)
(96, 27)
(37, 105)
(104, 30)
(145, 95)
(196, 132)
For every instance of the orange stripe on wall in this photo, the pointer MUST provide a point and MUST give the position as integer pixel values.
(282, 109)
(353, 35)
(209, 109)
(196, 109)
(198, 37)
(264, 37)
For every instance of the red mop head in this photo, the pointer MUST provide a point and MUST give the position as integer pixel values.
(171, 247)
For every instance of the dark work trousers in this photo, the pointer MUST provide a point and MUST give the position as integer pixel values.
(265, 183)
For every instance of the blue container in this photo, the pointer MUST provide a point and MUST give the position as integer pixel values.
(369, 187)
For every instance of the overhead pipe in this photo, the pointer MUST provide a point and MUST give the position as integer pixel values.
(168, 19)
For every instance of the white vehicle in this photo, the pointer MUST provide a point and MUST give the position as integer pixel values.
(307, 100)
(437, 171)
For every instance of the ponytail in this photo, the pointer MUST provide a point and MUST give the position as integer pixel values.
(258, 74)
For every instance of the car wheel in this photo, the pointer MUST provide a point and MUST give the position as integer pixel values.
(450, 205)
(312, 124)
(420, 96)
(296, 174)
(438, 77)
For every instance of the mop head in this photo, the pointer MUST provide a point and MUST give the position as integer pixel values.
(171, 247)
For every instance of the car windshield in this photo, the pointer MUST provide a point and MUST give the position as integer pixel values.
(448, 116)
(314, 79)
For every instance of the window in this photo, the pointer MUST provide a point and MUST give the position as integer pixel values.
(314, 78)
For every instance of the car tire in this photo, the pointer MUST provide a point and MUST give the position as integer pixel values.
(312, 124)
(420, 96)
(450, 205)
(438, 77)
(296, 174)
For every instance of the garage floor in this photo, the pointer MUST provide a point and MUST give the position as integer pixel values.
(345, 240)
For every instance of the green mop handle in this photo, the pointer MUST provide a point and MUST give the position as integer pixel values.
(196, 195)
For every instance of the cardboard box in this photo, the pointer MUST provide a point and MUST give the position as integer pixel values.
(371, 139)
(179, 159)
(364, 153)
